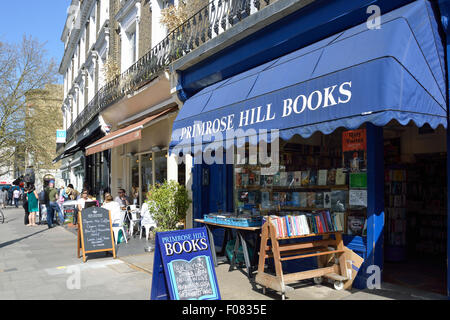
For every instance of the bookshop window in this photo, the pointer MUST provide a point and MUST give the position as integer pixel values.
(324, 173)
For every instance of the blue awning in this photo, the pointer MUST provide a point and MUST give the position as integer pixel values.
(357, 76)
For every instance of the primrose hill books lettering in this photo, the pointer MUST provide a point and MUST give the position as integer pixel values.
(325, 98)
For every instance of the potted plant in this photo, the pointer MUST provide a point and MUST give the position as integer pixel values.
(168, 204)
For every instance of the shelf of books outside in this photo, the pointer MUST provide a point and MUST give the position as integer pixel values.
(328, 246)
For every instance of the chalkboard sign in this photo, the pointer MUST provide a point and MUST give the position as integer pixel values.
(95, 231)
(183, 268)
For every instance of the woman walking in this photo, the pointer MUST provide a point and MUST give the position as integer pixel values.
(33, 207)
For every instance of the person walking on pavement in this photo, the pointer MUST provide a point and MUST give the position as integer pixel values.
(16, 196)
(33, 207)
(3, 198)
(26, 219)
(52, 204)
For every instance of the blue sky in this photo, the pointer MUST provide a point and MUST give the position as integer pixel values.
(43, 19)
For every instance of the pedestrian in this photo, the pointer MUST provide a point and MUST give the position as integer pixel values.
(112, 206)
(41, 204)
(33, 206)
(122, 198)
(3, 198)
(16, 196)
(84, 197)
(26, 219)
(52, 205)
(71, 193)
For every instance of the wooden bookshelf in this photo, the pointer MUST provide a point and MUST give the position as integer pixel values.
(337, 272)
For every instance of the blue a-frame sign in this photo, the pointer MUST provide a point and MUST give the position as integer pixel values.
(183, 268)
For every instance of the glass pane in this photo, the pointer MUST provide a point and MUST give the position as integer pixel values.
(147, 174)
(134, 177)
(160, 167)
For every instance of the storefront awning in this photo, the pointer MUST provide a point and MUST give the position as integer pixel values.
(125, 135)
(360, 75)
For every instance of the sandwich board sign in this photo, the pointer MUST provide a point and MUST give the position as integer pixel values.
(95, 231)
(183, 268)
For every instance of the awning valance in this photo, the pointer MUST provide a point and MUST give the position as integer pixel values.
(125, 135)
(357, 76)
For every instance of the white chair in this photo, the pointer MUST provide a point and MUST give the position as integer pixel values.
(147, 221)
(149, 226)
(118, 225)
(135, 221)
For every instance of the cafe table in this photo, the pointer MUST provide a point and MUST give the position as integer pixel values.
(241, 232)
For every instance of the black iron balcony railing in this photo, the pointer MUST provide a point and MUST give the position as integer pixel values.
(210, 21)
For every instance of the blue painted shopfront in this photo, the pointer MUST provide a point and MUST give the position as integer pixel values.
(316, 50)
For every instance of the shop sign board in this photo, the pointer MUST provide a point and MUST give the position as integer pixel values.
(354, 140)
(183, 268)
(95, 232)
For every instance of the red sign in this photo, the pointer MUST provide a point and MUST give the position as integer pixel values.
(354, 140)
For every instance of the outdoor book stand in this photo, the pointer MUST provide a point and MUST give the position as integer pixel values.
(323, 249)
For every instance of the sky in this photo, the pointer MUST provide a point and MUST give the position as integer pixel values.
(42, 19)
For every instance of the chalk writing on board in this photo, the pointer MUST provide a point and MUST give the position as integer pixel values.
(192, 279)
(96, 229)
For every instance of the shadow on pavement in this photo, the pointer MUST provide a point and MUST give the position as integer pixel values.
(5, 244)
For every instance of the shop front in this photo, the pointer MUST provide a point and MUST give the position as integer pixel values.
(337, 126)
(138, 154)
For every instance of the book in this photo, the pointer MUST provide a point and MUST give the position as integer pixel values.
(311, 199)
(290, 179)
(283, 179)
(339, 200)
(238, 180)
(265, 200)
(327, 200)
(340, 177)
(276, 199)
(319, 200)
(276, 179)
(251, 197)
(268, 180)
(331, 177)
(297, 178)
(296, 199)
(313, 177)
(288, 199)
(244, 179)
(303, 199)
(355, 225)
(305, 178)
(322, 178)
(282, 198)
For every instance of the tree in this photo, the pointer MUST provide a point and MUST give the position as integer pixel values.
(24, 67)
(174, 16)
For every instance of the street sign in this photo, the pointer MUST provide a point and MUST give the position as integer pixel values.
(60, 136)
(183, 268)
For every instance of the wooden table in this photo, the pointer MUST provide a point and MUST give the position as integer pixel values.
(250, 263)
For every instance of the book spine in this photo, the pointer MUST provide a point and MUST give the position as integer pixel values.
(322, 222)
(330, 222)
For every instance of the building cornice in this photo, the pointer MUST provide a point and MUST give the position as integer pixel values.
(75, 34)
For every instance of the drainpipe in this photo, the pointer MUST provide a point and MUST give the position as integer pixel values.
(444, 8)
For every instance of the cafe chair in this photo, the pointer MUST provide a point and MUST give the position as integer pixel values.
(134, 218)
(149, 226)
(117, 225)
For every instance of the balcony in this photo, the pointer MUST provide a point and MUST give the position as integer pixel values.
(210, 21)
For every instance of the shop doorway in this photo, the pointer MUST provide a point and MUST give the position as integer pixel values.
(415, 231)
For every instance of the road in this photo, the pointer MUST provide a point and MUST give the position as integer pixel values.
(41, 263)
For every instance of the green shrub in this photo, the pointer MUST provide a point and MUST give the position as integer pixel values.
(168, 204)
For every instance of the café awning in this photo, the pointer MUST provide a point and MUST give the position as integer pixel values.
(125, 135)
(396, 71)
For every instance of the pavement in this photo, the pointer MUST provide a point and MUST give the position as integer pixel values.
(42, 263)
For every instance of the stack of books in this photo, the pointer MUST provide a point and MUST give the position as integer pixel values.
(304, 224)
